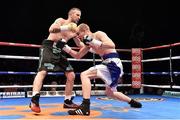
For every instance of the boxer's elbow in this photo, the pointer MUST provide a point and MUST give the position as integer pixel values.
(78, 56)
(113, 45)
(54, 30)
(50, 30)
(75, 55)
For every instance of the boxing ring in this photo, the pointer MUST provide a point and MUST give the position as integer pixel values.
(159, 91)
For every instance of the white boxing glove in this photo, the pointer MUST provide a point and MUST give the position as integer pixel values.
(67, 49)
(95, 43)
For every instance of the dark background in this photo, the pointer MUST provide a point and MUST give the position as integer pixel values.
(130, 23)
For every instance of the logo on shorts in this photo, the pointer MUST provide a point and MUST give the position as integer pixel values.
(49, 66)
(55, 49)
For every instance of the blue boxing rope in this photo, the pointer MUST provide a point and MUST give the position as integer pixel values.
(61, 73)
(161, 73)
(99, 85)
(33, 73)
(30, 73)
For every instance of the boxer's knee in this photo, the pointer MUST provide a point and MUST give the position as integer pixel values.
(42, 73)
(70, 76)
(83, 74)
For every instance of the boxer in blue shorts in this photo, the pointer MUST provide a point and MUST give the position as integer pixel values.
(110, 70)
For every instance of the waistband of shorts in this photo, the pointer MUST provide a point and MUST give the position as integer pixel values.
(47, 42)
(110, 55)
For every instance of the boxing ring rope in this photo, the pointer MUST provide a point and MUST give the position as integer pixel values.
(37, 58)
(162, 46)
(38, 46)
(94, 60)
(170, 58)
(30, 86)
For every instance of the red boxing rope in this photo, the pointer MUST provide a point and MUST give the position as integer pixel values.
(162, 46)
(23, 45)
(19, 44)
(38, 46)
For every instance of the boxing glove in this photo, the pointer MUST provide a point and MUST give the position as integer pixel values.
(87, 40)
(62, 45)
(70, 26)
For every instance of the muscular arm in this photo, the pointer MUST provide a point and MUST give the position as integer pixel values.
(79, 54)
(58, 26)
(78, 42)
(54, 28)
(76, 54)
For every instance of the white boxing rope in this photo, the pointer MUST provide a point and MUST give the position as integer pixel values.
(37, 58)
(30, 86)
(161, 59)
(98, 85)
(19, 57)
(161, 86)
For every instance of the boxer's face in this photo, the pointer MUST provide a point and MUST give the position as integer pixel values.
(80, 34)
(76, 16)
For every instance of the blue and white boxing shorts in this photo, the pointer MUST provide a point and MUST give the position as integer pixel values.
(110, 70)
